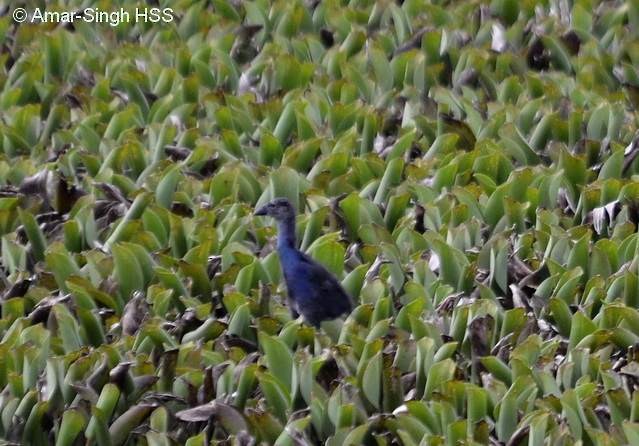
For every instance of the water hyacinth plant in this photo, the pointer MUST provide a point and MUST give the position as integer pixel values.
(467, 170)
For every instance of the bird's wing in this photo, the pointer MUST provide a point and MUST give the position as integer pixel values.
(323, 298)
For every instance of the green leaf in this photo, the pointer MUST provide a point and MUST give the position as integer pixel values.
(277, 397)
(439, 373)
(36, 237)
(127, 271)
(279, 360)
(73, 422)
(62, 265)
(166, 187)
(372, 380)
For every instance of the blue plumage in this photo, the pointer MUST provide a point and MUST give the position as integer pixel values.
(313, 291)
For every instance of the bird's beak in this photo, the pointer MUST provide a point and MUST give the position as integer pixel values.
(261, 211)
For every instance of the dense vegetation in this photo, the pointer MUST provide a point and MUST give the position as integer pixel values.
(468, 170)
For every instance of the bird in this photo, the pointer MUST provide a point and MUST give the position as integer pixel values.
(313, 291)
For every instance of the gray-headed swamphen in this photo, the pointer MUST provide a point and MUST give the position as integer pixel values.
(313, 291)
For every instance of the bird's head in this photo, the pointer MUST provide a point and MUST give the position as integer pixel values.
(279, 209)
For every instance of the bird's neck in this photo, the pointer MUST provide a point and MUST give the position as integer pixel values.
(286, 233)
